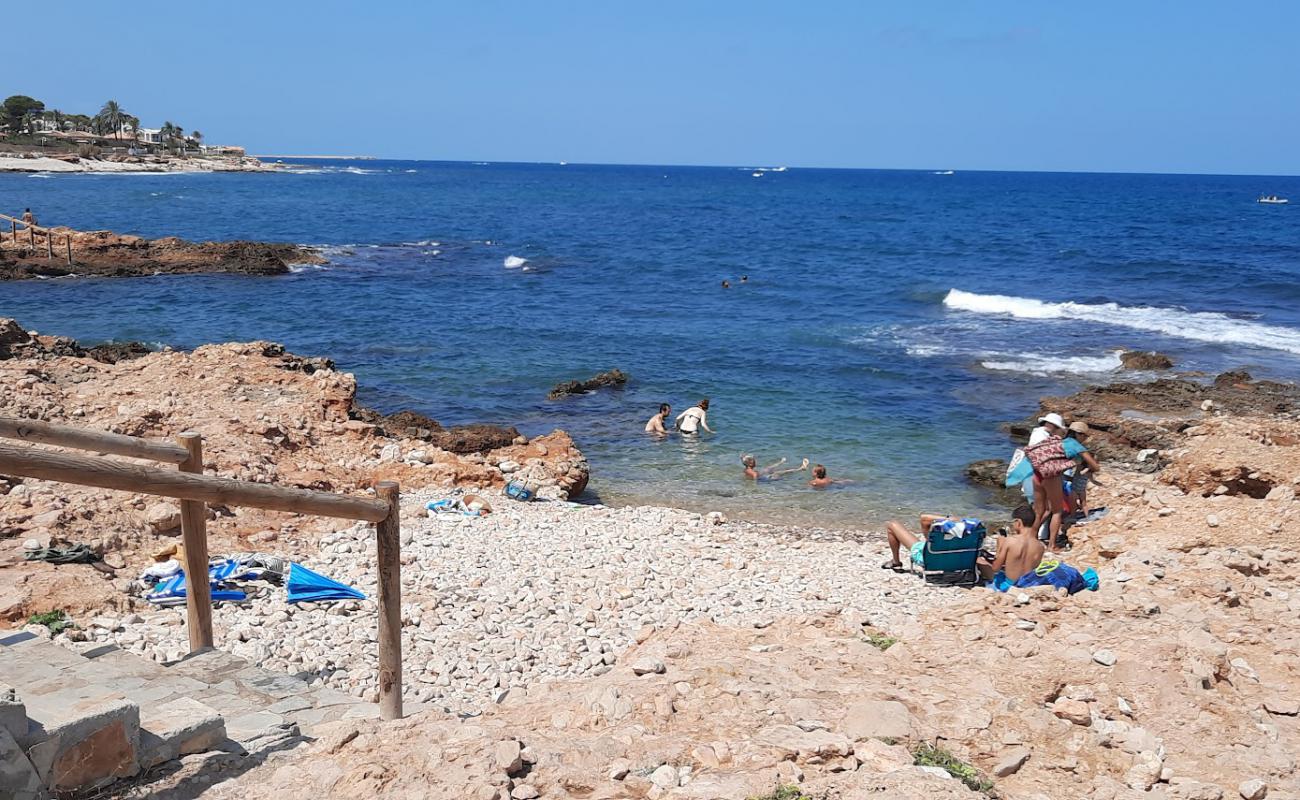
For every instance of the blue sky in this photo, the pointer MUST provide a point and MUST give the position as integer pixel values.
(1147, 86)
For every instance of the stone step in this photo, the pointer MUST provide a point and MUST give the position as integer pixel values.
(177, 728)
(82, 737)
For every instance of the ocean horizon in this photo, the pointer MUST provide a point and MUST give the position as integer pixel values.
(891, 321)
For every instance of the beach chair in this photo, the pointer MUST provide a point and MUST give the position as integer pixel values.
(951, 548)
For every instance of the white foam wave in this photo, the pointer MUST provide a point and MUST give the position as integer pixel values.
(1203, 326)
(514, 262)
(1045, 364)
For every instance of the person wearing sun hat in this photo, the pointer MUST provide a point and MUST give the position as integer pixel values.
(1048, 491)
(1085, 465)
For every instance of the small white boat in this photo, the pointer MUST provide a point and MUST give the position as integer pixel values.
(564, 163)
(944, 172)
(1272, 200)
(757, 174)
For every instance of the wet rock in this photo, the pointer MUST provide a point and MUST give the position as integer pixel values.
(1145, 360)
(613, 379)
(113, 352)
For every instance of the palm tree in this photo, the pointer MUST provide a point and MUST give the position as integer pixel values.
(134, 124)
(113, 115)
(197, 136)
(170, 132)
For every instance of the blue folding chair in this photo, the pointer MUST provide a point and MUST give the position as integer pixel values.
(951, 548)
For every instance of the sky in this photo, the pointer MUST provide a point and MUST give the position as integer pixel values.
(1135, 86)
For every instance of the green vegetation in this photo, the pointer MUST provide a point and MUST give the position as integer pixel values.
(57, 621)
(786, 792)
(879, 640)
(23, 118)
(932, 755)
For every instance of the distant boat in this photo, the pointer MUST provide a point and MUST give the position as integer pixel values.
(779, 169)
(564, 163)
(944, 172)
(1272, 200)
(758, 174)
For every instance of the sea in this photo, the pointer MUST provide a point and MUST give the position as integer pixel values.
(883, 323)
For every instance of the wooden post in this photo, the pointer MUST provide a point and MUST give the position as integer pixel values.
(388, 544)
(49, 246)
(68, 242)
(194, 534)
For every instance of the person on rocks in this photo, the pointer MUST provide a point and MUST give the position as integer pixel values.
(1017, 554)
(27, 217)
(770, 472)
(1085, 466)
(820, 481)
(1050, 457)
(696, 417)
(655, 424)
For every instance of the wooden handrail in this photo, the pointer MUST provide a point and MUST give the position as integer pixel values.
(30, 430)
(108, 474)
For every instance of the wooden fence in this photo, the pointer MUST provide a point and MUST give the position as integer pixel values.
(32, 230)
(195, 490)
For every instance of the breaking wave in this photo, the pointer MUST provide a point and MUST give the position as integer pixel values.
(1203, 326)
(1043, 364)
(514, 262)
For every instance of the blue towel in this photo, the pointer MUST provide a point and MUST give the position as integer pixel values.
(1050, 572)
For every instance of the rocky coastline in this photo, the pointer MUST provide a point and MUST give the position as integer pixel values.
(110, 255)
(558, 650)
(72, 163)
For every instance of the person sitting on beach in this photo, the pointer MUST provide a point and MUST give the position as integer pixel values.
(1017, 554)
(900, 537)
(820, 481)
(770, 472)
(656, 423)
(694, 418)
(1085, 468)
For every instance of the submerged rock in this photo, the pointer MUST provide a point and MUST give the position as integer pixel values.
(1145, 360)
(613, 379)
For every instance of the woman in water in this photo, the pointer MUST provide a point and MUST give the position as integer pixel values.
(656, 423)
(694, 418)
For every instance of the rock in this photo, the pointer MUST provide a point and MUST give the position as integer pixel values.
(466, 439)
(161, 518)
(665, 777)
(1072, 711)
(113, 352)
(508, 466)
(390, 453)
(524, 791)
(1281, 494)
(1145, 772)
(648, 666)
(508, 758)
(1011, 762)
(1253, 789)
(1211, 520)
(797, 743)
(619, 769)
(1145, 360)
(877, 756)
(1112, 546)
(613, 379)
(878, 719)
(1188, 789)
(1282, 706)
(1104, 657)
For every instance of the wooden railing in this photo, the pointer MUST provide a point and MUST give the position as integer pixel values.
(32, 230)
(195, 490)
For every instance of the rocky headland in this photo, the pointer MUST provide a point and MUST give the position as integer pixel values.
(71, 162)
(560, 650)
(111, 255)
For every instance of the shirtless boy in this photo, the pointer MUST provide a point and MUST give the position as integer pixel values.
(1018, 553)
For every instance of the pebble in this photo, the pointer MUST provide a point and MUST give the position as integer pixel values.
(541, 592)
(1104, 657)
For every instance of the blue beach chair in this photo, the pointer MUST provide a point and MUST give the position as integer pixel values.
(951, 549)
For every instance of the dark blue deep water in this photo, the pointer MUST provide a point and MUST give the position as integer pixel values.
(847, 345)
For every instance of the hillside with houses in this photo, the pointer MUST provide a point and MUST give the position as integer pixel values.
(37, 138)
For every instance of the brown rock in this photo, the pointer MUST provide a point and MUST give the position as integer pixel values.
(1145, 360)
(878, 719)
(614, 379)
(1072, 711)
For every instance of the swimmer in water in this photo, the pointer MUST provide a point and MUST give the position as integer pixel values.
(694, 418)
(820, 481)
(770, 472)
(656, 423)
(726, 284)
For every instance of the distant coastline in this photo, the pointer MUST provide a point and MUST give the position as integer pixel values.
(331, 158)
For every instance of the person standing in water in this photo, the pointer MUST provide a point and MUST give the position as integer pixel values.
(694, 418)
(656, 423)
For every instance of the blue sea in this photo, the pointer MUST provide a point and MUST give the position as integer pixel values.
(890, 321)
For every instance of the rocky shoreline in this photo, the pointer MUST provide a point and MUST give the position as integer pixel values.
(109, 255)
(560, 650)
(70, 163)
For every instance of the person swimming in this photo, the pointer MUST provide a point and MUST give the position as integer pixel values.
(770, 472)
(820, 481)
(655, 424)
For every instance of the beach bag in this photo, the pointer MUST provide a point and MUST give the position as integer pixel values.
(1048, 458)
(521, 491)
